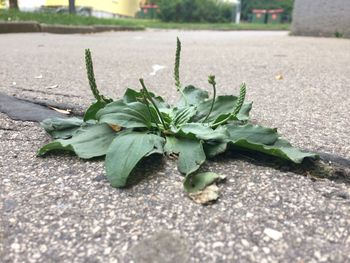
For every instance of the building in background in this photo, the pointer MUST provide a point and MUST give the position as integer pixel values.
(321, 18)
(25, 5)
(99, 8)
(103, 8)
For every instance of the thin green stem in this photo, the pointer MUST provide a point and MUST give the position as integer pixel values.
(153, 103)
(237, 108)
(211, 80)
(144, 95)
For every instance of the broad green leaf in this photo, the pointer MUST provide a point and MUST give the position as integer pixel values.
(191, 153)
(223, 106)
(61, 128)
(213, 149)
(252, 133)
(126, 151)
(193, 96)
(89, 142)
(202, 132)
(131, 95)
(127, 115)
(182, 115)
(281, 148)
(265, 140)
(90, 113)
(197, 182)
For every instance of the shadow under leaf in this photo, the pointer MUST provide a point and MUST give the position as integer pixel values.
(329, 166)
(145, 168)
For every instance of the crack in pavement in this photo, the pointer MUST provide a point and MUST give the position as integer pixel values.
(26, 110)
(331, 166)
(45, 92)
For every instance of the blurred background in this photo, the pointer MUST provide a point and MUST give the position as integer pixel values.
(191, 11)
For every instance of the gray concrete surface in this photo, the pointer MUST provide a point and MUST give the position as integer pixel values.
(321, 18)
(62, 209)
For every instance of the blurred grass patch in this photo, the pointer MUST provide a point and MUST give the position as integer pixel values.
(67, 19)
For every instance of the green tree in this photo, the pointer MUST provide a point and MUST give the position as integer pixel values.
(195, 10)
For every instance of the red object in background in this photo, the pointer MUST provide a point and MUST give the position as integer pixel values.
(146, 7)
(259, 11)
(149, 6)
(275, 11)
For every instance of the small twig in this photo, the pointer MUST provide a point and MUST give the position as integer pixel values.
(211, 80)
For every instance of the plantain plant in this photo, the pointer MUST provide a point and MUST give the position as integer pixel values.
(141, 124)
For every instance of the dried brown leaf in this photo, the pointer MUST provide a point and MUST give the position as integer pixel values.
(208, 195)
(66, 112)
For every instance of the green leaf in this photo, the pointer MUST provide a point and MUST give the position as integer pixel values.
(191, 153)
(131, 95)
(126, 151)
(182, 115)
(281, 149)
(88, 142)
(193, 96)
(197, 182)
(61, 128)
(127, 115)
(252, 133)
(213, 149)
(202, 132)
(223, 106)
(265, 140)
(90, 113)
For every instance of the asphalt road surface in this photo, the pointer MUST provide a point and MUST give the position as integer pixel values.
(62, 209)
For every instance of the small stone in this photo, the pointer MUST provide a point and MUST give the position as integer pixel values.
(16, 246)
(245, 242)
(218, 244)
(238, 205)
(125, 247)
(273, 234)
(43, 248)
(266, 250)
(249, 215)
(107, 250)
(317, 254)
(96, 229)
